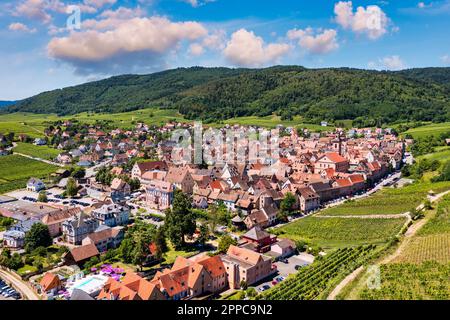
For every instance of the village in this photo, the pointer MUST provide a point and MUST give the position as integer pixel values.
(132, 193)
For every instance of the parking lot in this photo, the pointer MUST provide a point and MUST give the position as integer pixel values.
(53, 196)
(7, 292)
(284, 269)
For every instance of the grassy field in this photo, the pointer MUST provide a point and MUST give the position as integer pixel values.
(388, 201)
(15, 170)
(339, 232)
(273, 121)
(34, 124)
(440, 153)
(429, 130)
(43, 152)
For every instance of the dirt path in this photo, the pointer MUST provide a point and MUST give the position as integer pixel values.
(19, 285)
(352, 276)
(39, 159)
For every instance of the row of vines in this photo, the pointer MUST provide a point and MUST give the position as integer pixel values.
(311, 281)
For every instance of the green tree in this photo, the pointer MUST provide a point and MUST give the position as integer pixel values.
(71, 187)
(204, 234)
(225, 242)
(180, 220)
(287, 206)
(38, 236)
(140, 251)
(126, 250)
(42, 196)
(160, 242)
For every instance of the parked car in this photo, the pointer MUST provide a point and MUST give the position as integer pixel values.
(264, 288)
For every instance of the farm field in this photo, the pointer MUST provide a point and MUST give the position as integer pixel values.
(15, 171)
(430, 129)
(273, 121)
(341, 232)
(311, 281)
(34, 124)
(43, 152)
(407, 281)
(440, 153)
(388, 200)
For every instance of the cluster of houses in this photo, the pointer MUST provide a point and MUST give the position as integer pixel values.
(189, 278)
(315, 170)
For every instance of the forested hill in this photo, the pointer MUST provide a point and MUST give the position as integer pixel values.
(221, 93)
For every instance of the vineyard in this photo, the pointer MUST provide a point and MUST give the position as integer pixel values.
(43, 152)
(427, 248)
(340, 232)
(404, 281)
(310, 282)
(388, 201)
(15, 171)
(440, 223)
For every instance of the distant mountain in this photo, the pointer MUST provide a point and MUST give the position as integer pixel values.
(6, 103)
(210, 94)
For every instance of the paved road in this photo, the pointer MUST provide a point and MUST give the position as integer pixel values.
(19, 285)
(90, 172)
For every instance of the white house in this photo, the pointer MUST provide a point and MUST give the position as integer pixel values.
(35, 185)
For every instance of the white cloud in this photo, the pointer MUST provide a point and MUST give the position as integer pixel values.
(34, 9)
(423, 5)
(196, 49)
(130, 43)
(315, 41)
(446, 59)
(215, 40)
(99, 3)
(393, 62)
(371, 21)
(197, 3)
(247, 49)
(17, 26)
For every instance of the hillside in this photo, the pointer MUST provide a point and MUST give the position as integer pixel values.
(370, 97)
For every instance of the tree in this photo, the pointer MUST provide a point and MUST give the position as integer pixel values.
(71, 187)
(140, 251)
(38, 236)
(225, 242)
(287, 206)
(204, 234)
(159, 239)
(180, 220)
(42, 196)
(126, 250)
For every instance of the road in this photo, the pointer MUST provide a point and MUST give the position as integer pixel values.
(19, 285)
(90, 172)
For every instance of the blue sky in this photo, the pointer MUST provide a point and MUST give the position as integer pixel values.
(38, 52)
